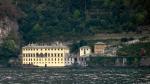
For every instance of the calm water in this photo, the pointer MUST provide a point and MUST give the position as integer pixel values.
(75, 76)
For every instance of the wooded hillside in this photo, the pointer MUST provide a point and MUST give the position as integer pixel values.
(49, 20)
(46, 20)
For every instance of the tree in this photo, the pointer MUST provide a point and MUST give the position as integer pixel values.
(124, 39)
(76, 14)
(8, 49)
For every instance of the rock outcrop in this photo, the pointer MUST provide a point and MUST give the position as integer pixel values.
(8, 26)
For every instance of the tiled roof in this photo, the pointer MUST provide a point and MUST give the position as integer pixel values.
(45, 46)
(85, 47)
(99, 43)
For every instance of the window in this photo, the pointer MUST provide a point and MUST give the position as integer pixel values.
(82, 59)
(41, 55)
(58, 54)
(37, 54)
(45, 54)
(84, 52)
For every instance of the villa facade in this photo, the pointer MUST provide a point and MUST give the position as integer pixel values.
(44, 55)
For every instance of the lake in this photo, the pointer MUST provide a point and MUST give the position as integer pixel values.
(75, 76)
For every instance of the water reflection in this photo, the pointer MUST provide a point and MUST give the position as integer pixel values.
(75, 76)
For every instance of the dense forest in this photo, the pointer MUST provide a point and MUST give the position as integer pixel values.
(139, 49)
(46, 20)
(49, 20)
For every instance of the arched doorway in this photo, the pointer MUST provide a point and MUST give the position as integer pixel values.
(45, 65)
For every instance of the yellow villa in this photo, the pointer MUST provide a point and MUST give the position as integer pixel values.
(45, 55)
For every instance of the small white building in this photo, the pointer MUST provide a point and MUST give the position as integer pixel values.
(69, 60)
(132, 41)
(75, 60)
(82, 61)
(85, 51)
